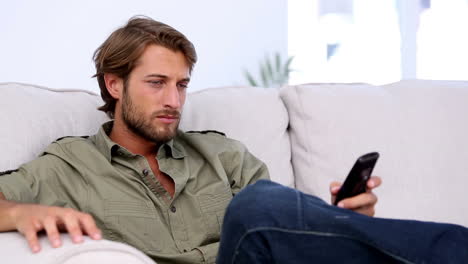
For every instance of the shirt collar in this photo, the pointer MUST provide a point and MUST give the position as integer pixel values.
(108, 148)
(177, 151)
(103, 143)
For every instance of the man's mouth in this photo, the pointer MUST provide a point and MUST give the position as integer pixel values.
(167, 119)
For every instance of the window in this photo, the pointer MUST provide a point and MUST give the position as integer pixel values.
(377, 41)
(443, 40)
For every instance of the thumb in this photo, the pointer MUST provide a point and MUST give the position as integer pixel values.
(335, 187)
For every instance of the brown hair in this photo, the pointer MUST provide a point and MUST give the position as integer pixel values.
(120, 52)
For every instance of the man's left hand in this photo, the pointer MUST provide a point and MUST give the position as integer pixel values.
(363, 203)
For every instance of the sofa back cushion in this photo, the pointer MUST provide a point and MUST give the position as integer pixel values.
(255, 116)
(32, 117)
(420, 129)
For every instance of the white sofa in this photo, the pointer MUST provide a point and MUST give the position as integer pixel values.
(308, 135)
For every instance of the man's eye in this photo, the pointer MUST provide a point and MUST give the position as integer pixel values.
(156, 83)
(183, 85)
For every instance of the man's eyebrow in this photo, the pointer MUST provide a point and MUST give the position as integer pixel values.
(156, 75)
(165, 77)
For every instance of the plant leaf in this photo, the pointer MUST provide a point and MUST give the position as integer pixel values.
(269, 70)
(250, 79)
(273, 72)
(263, 74)
(278, 62)
(287, 68)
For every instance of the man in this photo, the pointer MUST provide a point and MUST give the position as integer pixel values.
(142, 181)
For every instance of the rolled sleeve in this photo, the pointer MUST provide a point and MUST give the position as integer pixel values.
(16, 187)
(34, 182)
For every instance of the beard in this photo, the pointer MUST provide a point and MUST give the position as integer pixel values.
(143, 126)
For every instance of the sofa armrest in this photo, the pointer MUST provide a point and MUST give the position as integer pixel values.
(14, 249)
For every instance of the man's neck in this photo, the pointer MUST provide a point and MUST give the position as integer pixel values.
(134, 143)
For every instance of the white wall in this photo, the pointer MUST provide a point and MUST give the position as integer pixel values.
(51, 42)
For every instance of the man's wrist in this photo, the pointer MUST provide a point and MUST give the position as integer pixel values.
(7, 215)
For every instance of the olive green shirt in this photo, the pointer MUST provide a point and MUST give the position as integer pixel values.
(99, 177)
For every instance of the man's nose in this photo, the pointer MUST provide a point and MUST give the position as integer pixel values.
(171, 97)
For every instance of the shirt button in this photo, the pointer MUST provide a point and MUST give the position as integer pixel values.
(173, 209)
(145, 172)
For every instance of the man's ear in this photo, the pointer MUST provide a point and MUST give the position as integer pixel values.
(114, 85)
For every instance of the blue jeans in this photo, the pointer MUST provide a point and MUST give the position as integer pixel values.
(269, 223)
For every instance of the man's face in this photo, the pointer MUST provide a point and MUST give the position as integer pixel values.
(154, 94)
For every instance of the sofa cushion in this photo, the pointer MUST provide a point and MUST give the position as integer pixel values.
(34, 116)
(419, 128)
(255, 116)
(15, 249)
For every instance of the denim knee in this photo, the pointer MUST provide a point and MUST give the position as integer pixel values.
(451, 244)
(262, 204)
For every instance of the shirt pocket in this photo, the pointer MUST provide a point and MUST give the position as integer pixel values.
(134, 223)
(213, 206)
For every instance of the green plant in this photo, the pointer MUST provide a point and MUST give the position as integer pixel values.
(274, 72)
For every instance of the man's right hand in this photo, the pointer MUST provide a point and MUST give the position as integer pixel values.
(29, 219)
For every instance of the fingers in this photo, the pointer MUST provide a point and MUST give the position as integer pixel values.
(50, 225)
(335, 187)
(368, 210)
(33, 242)
(76, 223)
(374, 182)
(33, 218)
(71, 222)
(89, 226)
(363, 203)
(30, 233)
(361, 200)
